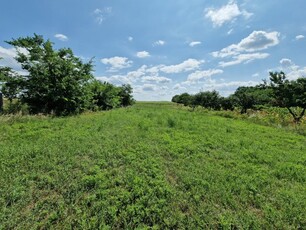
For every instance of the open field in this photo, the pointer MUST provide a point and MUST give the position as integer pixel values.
(153, 165)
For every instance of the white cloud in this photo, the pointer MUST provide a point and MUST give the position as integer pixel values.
(149, 87)
(285, 62)
(8, 55)
(255, 75)
(179, 87)
(117, 63)
(101, 14)
(159, 43)
(227, 13)
(257, 40)
(247, 14)
(299, 37)
(143, 54)
(154, 69)
(296, 72)
(188, 65)
(137, 73)
(292, 70)
(156, 79)
(97, 11)
(61, 37)
(230, 31)
(195, 43)
(244, 58)
(198, 75)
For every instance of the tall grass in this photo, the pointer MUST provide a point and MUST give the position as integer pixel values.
(150, 166)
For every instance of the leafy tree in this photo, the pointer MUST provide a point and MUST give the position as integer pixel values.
(208, 99)
(289, 94)
(125, 94)
(105, 96)
(175, 98)
(56, 79)
(183, 98)
(227, 103)
(244, 98)
(5, 74)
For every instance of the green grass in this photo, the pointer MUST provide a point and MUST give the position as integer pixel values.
(150, 166)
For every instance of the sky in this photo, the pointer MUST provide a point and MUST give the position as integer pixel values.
(164, 48)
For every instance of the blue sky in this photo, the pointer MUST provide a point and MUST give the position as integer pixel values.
(163, 48)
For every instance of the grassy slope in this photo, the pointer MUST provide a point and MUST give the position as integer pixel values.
(150, 165)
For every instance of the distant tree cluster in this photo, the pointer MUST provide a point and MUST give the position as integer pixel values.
(57, 82)
(279, 92)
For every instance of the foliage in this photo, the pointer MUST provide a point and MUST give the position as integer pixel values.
(227, 103)
(150, 166)
(105, 96)
(184, 98)
(207, 99)
(55, 80)
(58, 82)
(289, 94)
(250, 97)
(125, 94)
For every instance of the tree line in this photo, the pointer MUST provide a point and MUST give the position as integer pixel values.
(279, 91)
(56, 81)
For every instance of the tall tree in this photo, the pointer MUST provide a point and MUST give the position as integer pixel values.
(125, 93)
(289, 94)
(245, 98)
(56, 79)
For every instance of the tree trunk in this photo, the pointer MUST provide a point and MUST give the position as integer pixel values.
(1, 103)
(297, 119)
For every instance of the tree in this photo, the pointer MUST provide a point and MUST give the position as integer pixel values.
(208, 99)
(183, 98)
(125, 94)
(227, 103)
(56, 80)
(105, 96)
(245, 98)
(5, 73)
(289, 94)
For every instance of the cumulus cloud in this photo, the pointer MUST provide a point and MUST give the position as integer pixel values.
(257, 40)
(159, 43)
(187, 65)
(156, 79)
(117, 63)
(244, 58)
(195, 43)
(198, 75)
(137, 73)
(179, 87)
(8, 55)
(61, 37)
(143, 54)
(286, 62)
(299, 37)
(246, 50)
(226, 13)
(149, 87)
(292, 70)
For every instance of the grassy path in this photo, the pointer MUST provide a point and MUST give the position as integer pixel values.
(152, 165)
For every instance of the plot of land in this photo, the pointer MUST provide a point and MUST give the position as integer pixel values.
(151, 165)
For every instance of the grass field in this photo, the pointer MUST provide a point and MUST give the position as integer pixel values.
(150, 166)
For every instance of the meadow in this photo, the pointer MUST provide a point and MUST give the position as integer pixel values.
(150, 166)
